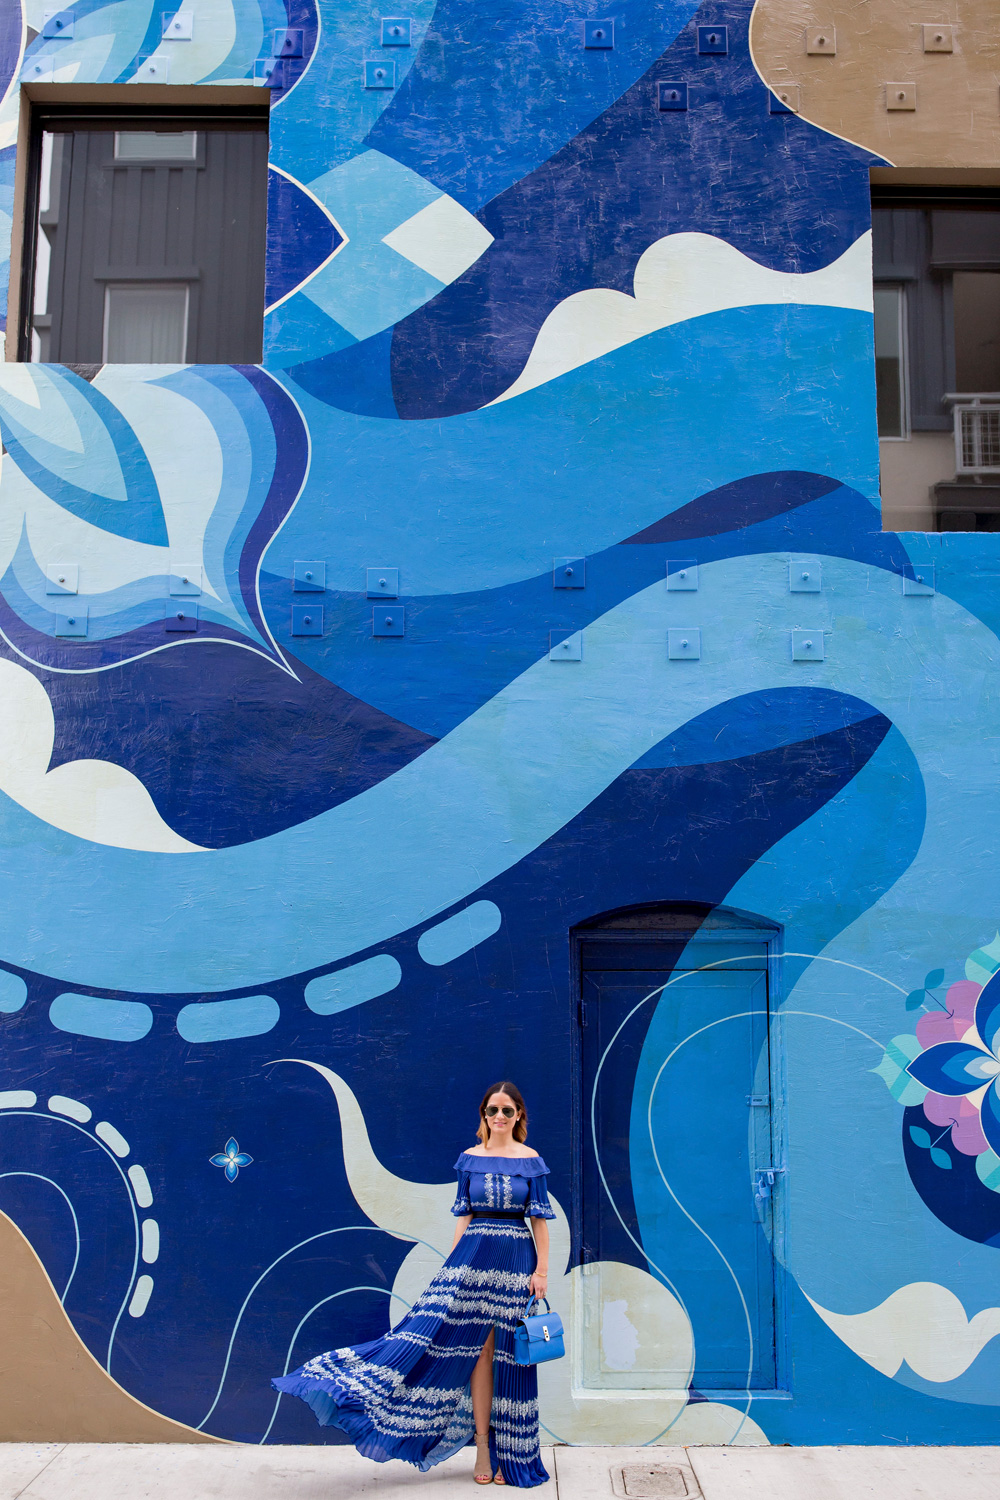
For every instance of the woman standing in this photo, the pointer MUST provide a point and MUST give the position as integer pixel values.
(446, 1373)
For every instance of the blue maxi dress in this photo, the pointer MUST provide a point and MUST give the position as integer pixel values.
(406, 1395)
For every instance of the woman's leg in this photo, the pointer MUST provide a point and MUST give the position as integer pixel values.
(481, 1387)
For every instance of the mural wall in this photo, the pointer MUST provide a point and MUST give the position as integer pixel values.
(268, 898)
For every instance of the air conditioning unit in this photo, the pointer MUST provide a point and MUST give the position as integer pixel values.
(977, 432)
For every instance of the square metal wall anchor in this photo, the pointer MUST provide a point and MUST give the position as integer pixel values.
(821, 41)
(784, 99)
(805, 576)
(682, 574)
(900, 96)
(396, 31)
(598, 35)
(308, 577)
(569, 572)
(152, 70)
(684, 644)
(62, 578)
(921, 585)
(713, 40)
(808, 645)
(71, 621)
(307, 619)
(185, 578)
(939, 38)
(388, 619)
(63, 23)
(671, 96)
(565, 648)
(380, 75)
(288, 43)
(179, 27)
(383, 583)
(184, 618)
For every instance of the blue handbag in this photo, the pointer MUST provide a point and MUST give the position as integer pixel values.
(538, 1336)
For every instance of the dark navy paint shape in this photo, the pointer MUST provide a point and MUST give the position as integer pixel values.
(308, 236)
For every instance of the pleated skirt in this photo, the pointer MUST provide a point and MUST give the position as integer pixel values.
(406, 1395)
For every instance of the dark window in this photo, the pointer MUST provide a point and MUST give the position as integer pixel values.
(146, 240)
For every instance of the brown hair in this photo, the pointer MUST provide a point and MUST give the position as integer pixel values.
(520, 1131)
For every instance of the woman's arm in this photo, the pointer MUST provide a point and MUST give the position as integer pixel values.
(461, 1225)
(539, 1283)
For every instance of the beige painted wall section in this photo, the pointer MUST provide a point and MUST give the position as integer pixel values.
(52, 1390)
(957, 119)
(909, 469)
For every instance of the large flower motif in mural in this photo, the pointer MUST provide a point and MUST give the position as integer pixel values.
(969, 1068)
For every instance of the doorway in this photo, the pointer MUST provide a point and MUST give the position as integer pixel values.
(679, 1171)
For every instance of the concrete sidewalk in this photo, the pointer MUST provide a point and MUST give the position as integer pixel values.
(182, 1471)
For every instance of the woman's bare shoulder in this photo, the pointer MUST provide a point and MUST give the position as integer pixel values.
(474, 1151)
(527, 1151)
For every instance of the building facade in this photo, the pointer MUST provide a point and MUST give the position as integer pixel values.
(501, 666)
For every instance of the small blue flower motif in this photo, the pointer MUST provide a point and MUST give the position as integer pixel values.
(231, 1159)
(961, 1069)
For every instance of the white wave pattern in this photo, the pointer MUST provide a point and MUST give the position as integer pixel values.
(680, 277)
(95, 799)
(923, 1325)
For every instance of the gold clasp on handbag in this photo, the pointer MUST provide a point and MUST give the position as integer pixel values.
(545, 1332)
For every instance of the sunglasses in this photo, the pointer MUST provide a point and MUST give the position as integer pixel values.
(508, 1111)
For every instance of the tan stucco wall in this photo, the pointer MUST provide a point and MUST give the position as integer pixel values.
(52, 1390)
(957, 119)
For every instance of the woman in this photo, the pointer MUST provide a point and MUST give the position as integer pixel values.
(446, 1373)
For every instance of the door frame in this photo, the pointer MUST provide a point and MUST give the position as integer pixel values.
(690, 920)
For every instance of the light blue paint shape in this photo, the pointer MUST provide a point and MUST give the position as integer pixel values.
(367, 286)
(110, 1020)
(18, 1099)
(13, 992)
(336, 992)
(449, 939)
(225, 1020)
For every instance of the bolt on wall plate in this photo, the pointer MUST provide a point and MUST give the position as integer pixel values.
(684, 644)
(380, 75)
(288, 42)
(682, 574)
(270, 71)
(598, 35)
(383, 583)
(805, 576)
(785, 99)
(921, 585)
(185, 578)
(307, 619)
(821, 41)
(671, 96)
(808, 645)
(939, 38)
(152, 70)
(179, 27)
(565, 648)
(713, 40)
(396, 31)
(569, 572)
(63, 23)
(62, 578)
(184, 618)
(72, 621)
(901, 96)
(308, 577)
(388, 619)
(38, 70)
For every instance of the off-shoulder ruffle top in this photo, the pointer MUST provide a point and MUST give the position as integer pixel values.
(502, 1184)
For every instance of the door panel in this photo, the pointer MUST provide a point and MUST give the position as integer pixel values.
(671, 1163)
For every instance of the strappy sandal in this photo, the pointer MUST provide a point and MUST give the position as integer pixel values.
(498, 1478)
(483, 1475)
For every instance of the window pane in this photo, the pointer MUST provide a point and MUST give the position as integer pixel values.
(977, 330)
(158, 145)
(145, 324)
(889, 370)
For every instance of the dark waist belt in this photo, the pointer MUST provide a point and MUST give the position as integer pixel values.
(496, 1213)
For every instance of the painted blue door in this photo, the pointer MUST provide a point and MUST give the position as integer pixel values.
(676, 1100)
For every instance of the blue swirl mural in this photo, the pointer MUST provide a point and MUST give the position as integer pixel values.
(258, 885)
